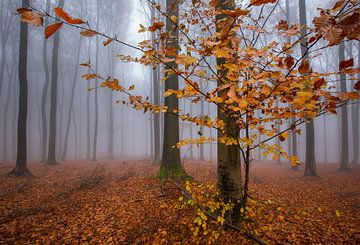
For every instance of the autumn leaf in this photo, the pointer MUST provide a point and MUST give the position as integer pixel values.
(261, 2)
(338, 4)
(89, 76)
(107, 42)
(51, 29)
(304, 67)
(88, 33)
(346, 64)
(30, 17)
(319, 83)
(87, 64)
(66, 17)
(289, 61)
(156, 26)
(357, 86)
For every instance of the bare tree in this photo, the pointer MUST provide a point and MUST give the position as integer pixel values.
(21, 159)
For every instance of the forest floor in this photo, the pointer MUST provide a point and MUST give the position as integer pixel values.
(122, 203)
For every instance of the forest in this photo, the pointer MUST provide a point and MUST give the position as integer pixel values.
(179, 122)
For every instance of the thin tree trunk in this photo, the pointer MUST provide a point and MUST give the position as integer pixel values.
(344, 161)
(73, 88)
(202, 158)
(88, 129)
(21, 159)
(96, 91)
(51, 160)
(355, 123)
(11, 77)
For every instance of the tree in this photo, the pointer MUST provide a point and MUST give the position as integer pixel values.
(96, 101)
(170, 163)
(228, 163)
(51, 159)
(344, 145)
(44, 95)
(355, 123)
(249, 78)
(155, 72)
(21, 158)
(310, 162)
(71, 105)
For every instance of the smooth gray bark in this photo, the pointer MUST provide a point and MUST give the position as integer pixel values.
(344, 143)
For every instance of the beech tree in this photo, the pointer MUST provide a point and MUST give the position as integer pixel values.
(249, 77)
(21, 157)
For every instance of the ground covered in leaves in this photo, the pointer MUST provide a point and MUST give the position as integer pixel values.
(122, 203)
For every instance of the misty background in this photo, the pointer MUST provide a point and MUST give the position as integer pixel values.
(130, 131)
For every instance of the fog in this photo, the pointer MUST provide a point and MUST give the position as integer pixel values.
(131, 130)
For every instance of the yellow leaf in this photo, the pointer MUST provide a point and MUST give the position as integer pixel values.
(337, 212)
(173, 18)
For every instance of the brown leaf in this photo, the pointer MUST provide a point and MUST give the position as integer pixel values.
(51, 29)
(346, 64)
(107, 42)
(261, 2)
(319, 83)
(289, 61)
(304, 67)
(357, 86)
(88, 33)
(338, 4)
(67, 18)
(156, 26)
(30, 17)
(89, 76)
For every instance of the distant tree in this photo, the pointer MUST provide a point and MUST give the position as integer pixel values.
(21, 158)
(72, 97)
(344, 143)
(355, 124)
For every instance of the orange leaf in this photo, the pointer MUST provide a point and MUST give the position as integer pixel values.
(28, 16)
(107, 42)
(50, 30)
(89, 76)
(88, 33)
(261, 2)
(67, 18)
(304, 67)
(338, 4)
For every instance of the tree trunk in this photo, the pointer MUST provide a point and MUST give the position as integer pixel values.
(96, 91)
(310, 162)
(73, 88)
(155, 72)
(229, 165)
(44, 95)
(88, 118)
(51, 160)
(171, 165)
(21, 159)
(355, 123)
(202, 158)
(344, 151)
